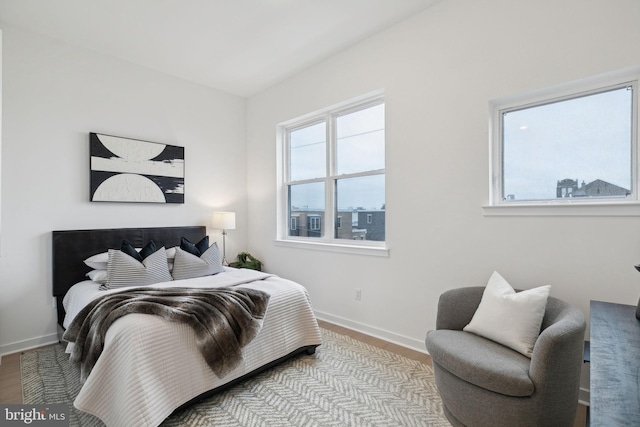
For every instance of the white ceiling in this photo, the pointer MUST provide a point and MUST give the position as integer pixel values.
(238, 46)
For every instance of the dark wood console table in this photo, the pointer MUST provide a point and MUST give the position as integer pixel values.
(614, 393)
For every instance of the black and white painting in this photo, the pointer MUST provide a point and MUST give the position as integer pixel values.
(130, 170)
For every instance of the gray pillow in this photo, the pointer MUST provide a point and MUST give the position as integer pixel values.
(124, 270)
(187, 265)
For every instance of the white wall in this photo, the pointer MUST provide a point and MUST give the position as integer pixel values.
(0, 133)
(439, 70)
(53, 96)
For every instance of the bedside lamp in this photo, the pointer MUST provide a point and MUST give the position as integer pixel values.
(224, 221)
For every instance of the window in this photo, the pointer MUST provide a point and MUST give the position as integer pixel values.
(571, 146)
(314, 222)
(333, 166)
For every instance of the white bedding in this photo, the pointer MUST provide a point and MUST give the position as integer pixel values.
(150, 366)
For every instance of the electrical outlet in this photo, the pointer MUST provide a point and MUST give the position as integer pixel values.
(358, 294)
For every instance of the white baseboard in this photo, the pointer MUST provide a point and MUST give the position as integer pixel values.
(583, 397)
(389, 336)
(27, 344)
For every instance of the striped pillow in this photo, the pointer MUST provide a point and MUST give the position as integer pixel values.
(124, 270)
(187, 265)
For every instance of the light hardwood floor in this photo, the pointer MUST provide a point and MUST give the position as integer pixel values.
(10, 384)
(11, 387)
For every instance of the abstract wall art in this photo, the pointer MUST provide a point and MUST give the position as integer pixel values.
(130, 170)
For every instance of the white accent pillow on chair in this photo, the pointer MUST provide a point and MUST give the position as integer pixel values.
(510, 318)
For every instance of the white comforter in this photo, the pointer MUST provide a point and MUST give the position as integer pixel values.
(150, 366)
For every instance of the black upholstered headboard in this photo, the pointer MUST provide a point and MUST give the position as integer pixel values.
(72, 247)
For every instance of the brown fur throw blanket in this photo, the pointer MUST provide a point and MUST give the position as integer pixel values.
(224, 321)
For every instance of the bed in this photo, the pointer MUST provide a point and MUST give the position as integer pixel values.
(149, 366)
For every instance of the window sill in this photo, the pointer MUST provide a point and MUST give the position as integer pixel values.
(569, 209)
(334, 247)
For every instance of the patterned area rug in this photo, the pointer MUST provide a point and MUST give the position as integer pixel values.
(346, 383)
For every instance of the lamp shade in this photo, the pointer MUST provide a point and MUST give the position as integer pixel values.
(224, 220)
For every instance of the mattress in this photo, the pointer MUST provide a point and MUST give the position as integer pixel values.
(149, 366)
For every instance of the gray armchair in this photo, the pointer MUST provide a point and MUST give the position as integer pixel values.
(483, 383)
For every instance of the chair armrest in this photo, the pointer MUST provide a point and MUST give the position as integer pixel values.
(556, 361)
(456, 307)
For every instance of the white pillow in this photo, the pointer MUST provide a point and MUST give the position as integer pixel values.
(124, 270)
(186, 265)
(99, 276)
(171, 253)
(100, 261)
(509, 318)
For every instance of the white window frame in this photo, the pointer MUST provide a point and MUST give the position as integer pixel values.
(629, 206)
(328, 242)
